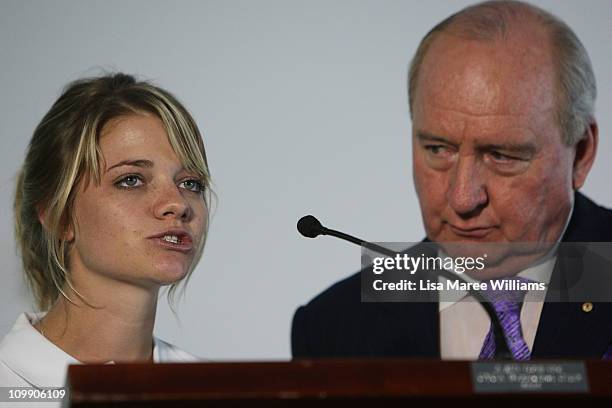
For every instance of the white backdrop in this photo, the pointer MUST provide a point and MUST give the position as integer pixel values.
(303, 108)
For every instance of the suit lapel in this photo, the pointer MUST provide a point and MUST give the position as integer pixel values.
(567, 329)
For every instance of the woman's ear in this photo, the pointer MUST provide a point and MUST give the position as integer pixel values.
(69, 234)
(42, 215)
(42, 218)
(586, 149)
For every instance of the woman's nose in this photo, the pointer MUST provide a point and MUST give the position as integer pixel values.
(170, 202)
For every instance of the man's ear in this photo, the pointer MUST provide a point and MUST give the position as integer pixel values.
(42, 218)
(586, 149)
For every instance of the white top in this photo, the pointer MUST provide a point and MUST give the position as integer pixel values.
(28, 359)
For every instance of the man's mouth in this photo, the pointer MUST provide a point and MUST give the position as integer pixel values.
(472, 232)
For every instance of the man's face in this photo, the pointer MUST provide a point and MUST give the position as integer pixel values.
(488, 159)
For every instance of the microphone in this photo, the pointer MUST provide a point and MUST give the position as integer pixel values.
(310, 227)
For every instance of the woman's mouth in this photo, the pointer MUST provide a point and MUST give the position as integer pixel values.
(174, 240)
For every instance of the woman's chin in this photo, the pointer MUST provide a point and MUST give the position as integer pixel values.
(168, 274)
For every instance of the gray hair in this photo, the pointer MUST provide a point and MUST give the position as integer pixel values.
(490, 20)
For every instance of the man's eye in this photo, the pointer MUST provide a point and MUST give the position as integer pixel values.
(192, 185)
(129, 181)
(502, 158)
(436, 149)
(505, 164)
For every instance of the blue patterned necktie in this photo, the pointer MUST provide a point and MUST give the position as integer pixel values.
(507, 305)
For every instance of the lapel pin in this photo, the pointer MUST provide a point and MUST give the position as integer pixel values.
(587, 307)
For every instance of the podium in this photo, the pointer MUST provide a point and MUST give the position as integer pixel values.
(326, 383)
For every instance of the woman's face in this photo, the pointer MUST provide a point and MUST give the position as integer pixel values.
(144, 222)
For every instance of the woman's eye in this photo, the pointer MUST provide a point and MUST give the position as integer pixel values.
(193, 185)
(130, 181)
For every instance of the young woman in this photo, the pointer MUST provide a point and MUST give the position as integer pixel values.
(111, 205)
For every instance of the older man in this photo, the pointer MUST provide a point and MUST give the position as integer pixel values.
(502, 98)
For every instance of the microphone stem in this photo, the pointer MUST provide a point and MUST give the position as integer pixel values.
(501, 347)
(360, 242)
(342, 235)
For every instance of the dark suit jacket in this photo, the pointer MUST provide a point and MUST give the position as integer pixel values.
(337, 324)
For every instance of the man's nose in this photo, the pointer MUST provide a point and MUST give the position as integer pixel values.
(171, 203)
(467, 193)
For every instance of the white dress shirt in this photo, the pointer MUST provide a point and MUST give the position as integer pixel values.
(28, 359)
(464, 323)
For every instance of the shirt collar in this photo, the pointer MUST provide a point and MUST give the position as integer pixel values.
(36, 359)
(541, 272)
(31, 356)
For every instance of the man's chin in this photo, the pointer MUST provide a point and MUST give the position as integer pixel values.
(491, 250)
(501, 259)
(450, 234)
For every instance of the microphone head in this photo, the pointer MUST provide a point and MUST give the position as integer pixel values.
(309, 226)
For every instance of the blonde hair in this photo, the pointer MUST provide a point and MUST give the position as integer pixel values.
(490, 20)
(65, 148)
